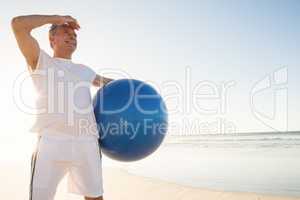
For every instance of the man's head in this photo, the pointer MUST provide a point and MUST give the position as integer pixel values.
(63, 39)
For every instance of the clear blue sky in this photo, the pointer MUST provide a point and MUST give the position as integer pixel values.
(221, 41)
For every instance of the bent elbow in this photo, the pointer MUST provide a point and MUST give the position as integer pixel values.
(16, 23)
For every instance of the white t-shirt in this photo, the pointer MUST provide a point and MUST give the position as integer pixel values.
(64, 103)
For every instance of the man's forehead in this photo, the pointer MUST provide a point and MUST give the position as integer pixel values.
(64, 27)
(67, 28)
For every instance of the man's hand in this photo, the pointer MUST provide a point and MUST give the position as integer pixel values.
(101, 81)
(60, 20)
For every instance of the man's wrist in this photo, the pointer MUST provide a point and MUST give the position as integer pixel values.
(107, 80)
(53, 19)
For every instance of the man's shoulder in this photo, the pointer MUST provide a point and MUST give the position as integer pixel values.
(84, 66)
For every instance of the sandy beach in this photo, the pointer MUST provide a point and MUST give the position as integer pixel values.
(118, 184)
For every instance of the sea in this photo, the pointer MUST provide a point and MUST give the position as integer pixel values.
(266, 163)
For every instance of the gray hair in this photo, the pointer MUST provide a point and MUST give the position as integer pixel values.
(54, 27)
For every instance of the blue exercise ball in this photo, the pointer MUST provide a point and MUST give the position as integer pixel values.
(132, 119)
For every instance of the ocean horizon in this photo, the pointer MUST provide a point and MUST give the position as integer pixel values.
(266, 163)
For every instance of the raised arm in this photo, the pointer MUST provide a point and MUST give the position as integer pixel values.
(22, 27)
(101, 80)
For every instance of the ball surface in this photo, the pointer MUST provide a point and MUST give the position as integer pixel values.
(132, 119)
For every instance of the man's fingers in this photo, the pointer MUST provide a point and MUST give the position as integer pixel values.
(72, 22)
(74, 25)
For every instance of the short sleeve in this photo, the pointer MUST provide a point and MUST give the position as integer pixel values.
(89, 74)
(43, 61)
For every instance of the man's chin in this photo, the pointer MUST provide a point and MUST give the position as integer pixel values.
(70, 49)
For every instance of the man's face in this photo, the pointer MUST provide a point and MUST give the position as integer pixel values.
(64, 39)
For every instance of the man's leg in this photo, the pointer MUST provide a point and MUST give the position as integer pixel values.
(85, 177)
(46, 171)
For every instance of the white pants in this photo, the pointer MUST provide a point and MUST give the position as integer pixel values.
(79, 157)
